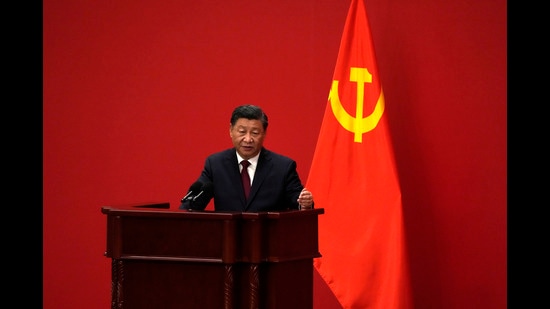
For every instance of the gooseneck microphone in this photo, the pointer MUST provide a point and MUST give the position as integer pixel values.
(201, 199)
(195, 187)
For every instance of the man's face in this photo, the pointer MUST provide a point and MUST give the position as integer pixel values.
(247, 136)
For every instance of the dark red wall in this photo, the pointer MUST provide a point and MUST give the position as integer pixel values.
(137, 93)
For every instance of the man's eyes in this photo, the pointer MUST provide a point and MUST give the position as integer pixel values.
(254, 133)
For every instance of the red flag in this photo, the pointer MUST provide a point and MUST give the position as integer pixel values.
(354, 178)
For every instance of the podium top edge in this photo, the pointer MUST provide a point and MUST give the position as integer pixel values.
(163, 209)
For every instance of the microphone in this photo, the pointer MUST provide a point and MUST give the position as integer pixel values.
(199, 201)
(195, 187)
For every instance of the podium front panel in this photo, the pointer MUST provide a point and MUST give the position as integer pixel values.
(164, 258)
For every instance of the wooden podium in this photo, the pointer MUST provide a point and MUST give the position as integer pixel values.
(164, 258)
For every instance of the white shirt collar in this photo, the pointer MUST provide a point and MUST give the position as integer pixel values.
(253, 161)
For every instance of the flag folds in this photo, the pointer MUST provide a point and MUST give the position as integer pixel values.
(354, 178)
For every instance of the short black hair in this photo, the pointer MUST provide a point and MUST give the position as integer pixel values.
(249, 112)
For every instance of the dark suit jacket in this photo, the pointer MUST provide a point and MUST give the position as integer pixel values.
(275, 187)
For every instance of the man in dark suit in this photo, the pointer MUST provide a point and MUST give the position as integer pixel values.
(275, 184)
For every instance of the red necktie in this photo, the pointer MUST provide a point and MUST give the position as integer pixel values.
(245, 177)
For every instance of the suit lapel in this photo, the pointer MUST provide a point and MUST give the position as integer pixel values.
(262, 170)
(233, 169)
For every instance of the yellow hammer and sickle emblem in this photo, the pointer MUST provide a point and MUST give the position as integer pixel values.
(357, 125)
